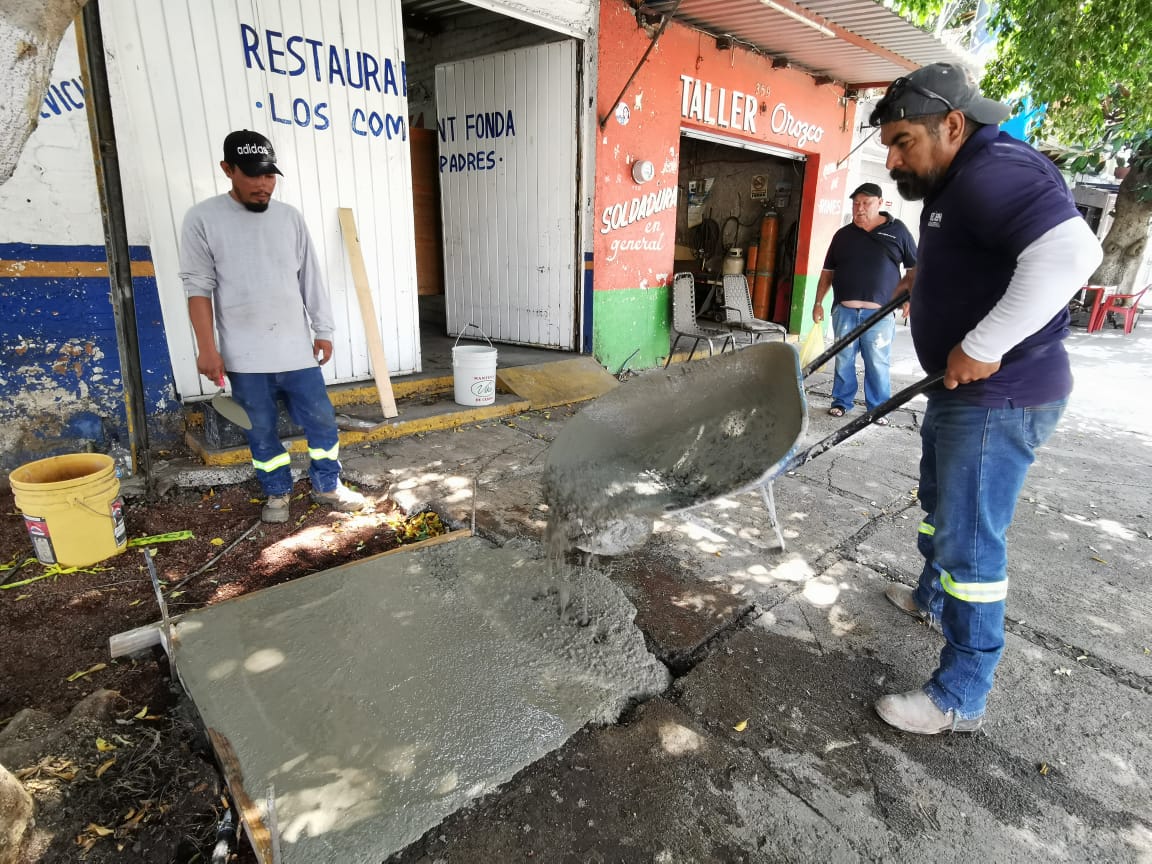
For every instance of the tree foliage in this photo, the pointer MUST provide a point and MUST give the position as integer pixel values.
(1088, 61)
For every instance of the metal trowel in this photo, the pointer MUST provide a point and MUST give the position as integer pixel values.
(229, 408)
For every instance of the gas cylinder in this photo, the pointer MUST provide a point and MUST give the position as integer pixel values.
(733, 262)
(765, 265)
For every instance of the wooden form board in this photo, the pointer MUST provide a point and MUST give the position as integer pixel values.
(251, 817)
(368, 312)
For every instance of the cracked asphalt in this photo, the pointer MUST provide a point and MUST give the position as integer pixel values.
(766, 748)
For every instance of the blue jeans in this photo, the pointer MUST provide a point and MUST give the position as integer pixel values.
(874, 346)
(972, 469)
(306, 398)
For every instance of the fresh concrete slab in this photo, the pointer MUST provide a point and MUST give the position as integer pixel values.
(379, 697)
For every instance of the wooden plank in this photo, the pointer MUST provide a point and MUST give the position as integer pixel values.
(367, 312)
(138, 639)
(426, 211)
(258, 834)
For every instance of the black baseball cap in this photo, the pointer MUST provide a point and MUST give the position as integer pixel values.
(937, 89)
(251, 152)
(870, 189)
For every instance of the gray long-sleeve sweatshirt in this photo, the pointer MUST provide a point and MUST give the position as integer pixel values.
(262, 275)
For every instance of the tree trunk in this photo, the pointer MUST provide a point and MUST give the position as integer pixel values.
(30, 33)
(1127, 238)
(15, 816)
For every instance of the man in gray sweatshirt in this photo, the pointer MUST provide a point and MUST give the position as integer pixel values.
(252, 278)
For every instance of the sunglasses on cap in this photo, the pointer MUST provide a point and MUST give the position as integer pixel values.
(886, 112)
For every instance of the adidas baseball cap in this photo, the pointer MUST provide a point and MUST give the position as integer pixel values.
(937, 89)
(251, 152)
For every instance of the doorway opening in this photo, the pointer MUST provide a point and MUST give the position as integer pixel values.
(740, 213)
(488, 252)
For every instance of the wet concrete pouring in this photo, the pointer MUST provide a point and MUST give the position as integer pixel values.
(765, 746)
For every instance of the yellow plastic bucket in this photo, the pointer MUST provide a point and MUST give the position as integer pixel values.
(72, 508)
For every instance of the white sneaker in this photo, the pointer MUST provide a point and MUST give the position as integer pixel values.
(901, 596)
(341, 499)
(275, 509)
(916, 713)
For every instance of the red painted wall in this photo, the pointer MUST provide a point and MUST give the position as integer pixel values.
(635, 248)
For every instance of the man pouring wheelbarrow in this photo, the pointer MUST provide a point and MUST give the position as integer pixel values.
(1002, 250)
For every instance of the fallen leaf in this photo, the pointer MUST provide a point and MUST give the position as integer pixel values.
(142, 713)
(100, 771)
(98, 829)
(1100, 560)
(174, 595)
(77, 675)
(216, 541)
(1044, 769)
(103, 746)
(135, 602)
(741, 726)
(22, 597)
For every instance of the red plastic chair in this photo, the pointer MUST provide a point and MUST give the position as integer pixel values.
(1126, 306)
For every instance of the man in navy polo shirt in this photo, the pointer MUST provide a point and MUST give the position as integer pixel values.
(862, 268)
(1002, 251)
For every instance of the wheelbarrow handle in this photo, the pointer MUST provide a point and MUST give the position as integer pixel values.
(840, 344)
(851, 428)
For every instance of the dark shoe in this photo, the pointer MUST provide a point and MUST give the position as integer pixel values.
(914, 712)
(836, 411)
(275, 509)
(341, 499)
(901, 596)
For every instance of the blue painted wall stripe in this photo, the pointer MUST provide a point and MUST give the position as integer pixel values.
(38, 252)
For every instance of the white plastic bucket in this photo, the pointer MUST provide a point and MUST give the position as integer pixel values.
(474, 372)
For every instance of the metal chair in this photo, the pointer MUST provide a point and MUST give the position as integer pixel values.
(685, 325)
(1126, 306)
(738, 311)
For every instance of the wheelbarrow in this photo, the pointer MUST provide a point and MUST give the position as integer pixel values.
(680, 438)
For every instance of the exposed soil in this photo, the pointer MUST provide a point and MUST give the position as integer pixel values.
(162, 798)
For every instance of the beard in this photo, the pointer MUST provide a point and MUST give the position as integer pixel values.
(255, 207)
(913, 187)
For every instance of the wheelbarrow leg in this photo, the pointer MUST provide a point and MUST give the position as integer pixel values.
(770, 504)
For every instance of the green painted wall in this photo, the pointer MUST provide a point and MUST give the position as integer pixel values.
(631, 320)
(803, 299)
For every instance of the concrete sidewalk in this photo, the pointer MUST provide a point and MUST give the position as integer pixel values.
(766, 747)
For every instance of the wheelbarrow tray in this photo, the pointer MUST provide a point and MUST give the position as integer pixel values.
(678, 438)
(682, 437)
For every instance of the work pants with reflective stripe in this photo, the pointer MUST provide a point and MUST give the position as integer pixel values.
(305, 395)
(972, 468)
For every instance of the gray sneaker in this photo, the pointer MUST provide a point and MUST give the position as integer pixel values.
(901, 596)
(914, 712)
(341, 499)
(275, 509)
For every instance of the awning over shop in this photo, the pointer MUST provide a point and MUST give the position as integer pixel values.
(857, 42)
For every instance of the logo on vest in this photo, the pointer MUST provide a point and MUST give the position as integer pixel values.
(934, 219)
